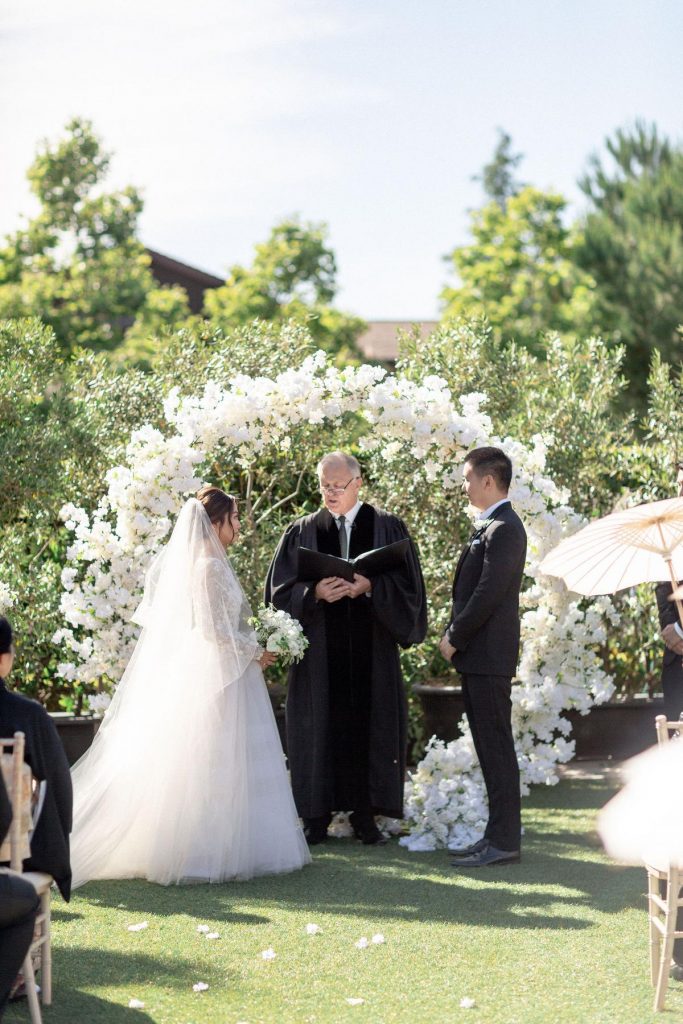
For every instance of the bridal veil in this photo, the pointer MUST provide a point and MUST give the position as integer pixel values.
(185, 780)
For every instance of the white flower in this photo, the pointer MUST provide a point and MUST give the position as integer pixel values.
(203, 929)
(138, 927)
(378, 939)
(268, 954)
(213, 935)
(200, 986)
(466, 1003)
(136, 1004)
(313, 929)
(355, 1001)
(362, 943)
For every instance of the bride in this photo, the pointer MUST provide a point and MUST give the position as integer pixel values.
(186, 780)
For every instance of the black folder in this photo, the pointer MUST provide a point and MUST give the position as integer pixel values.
(316, 565)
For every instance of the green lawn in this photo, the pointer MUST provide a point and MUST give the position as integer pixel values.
(560, 938)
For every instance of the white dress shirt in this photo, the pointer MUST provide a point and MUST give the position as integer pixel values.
(491, 509)
(349, 518)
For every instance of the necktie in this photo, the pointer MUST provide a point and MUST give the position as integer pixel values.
(343, 538)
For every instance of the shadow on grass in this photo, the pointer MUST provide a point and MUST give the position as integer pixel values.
(129, 973)
(349, 880)
(561, 882)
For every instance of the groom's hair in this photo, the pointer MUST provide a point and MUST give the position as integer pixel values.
(352, 464)
(489, 461)
(217, 503)
(5, 635)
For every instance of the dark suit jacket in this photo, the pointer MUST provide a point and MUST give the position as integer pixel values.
(484, 626)
(672, 666)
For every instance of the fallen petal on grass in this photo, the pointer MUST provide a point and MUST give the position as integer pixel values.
(268, 954)
(200, 986)
(138, 927)
(136, 1004)
(212, 935)
(362, 943)
(355, 1002)
(378, 939)
(313, 929)
(203, 929)
(466, 1003)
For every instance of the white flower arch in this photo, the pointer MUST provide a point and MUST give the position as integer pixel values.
(445, 798)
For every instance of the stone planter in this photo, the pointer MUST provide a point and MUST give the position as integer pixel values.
(618, 729)
(442, 708)
(76, 732)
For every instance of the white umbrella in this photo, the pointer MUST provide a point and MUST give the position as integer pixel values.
(638, 545)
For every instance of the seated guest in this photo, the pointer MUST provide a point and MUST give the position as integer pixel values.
(19, 905)
(45, 756)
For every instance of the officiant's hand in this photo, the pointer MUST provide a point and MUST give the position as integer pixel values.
(331, 589)
(360, 585)
(446, 647)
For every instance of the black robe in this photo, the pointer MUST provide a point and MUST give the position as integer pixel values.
(346, 706)
(45, 755)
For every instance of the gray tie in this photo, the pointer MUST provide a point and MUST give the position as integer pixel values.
(343, 538)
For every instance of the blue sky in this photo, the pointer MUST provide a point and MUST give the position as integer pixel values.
(372, 116)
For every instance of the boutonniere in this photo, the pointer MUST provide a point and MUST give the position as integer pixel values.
(481, 528)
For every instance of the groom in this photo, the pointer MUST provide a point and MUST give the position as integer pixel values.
(482, 642)
(346, 708)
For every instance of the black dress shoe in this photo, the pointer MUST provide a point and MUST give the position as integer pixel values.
(366, 830)
(315, 834)
(474, 848)
(486, 858)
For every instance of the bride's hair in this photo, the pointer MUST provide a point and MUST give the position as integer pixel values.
(5, 635)
(217, 503)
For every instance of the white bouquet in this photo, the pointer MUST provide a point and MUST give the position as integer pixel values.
(280, 634)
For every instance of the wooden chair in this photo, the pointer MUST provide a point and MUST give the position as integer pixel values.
(664, 883)
(19, 785)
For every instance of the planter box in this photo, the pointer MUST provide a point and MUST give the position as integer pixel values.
(615, 730)
(442, 708)
(75, 732)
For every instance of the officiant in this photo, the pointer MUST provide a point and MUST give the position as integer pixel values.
(346, 709)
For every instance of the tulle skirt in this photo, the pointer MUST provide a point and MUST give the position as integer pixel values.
(644, 821)
(173, 791)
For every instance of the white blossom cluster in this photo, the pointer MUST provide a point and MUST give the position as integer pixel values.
(7, 597)
(111, 549)
(280, 634)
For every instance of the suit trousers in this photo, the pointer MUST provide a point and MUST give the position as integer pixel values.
(489, 708)
(19, 905)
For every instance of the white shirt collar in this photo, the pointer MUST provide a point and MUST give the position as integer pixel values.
(492, 508)
(350, 515)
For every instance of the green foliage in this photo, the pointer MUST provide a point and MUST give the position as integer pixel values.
(292, 277)
(632, 246)
(497, 177)
(78, 264)
(519, 271)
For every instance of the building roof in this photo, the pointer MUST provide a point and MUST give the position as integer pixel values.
(380, 340)
(195, 282)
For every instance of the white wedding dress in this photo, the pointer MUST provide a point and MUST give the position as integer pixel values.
(186, 779)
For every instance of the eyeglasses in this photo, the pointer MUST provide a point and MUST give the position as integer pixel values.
(331, 489)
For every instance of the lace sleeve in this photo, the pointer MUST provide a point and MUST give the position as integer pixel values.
(220, 611)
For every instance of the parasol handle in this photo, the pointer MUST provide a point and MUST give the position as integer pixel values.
(674, 584)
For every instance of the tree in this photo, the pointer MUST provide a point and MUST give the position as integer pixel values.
(632, 246)
(497, 177)
(78, 264)
(519, 272)
(292, 277)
